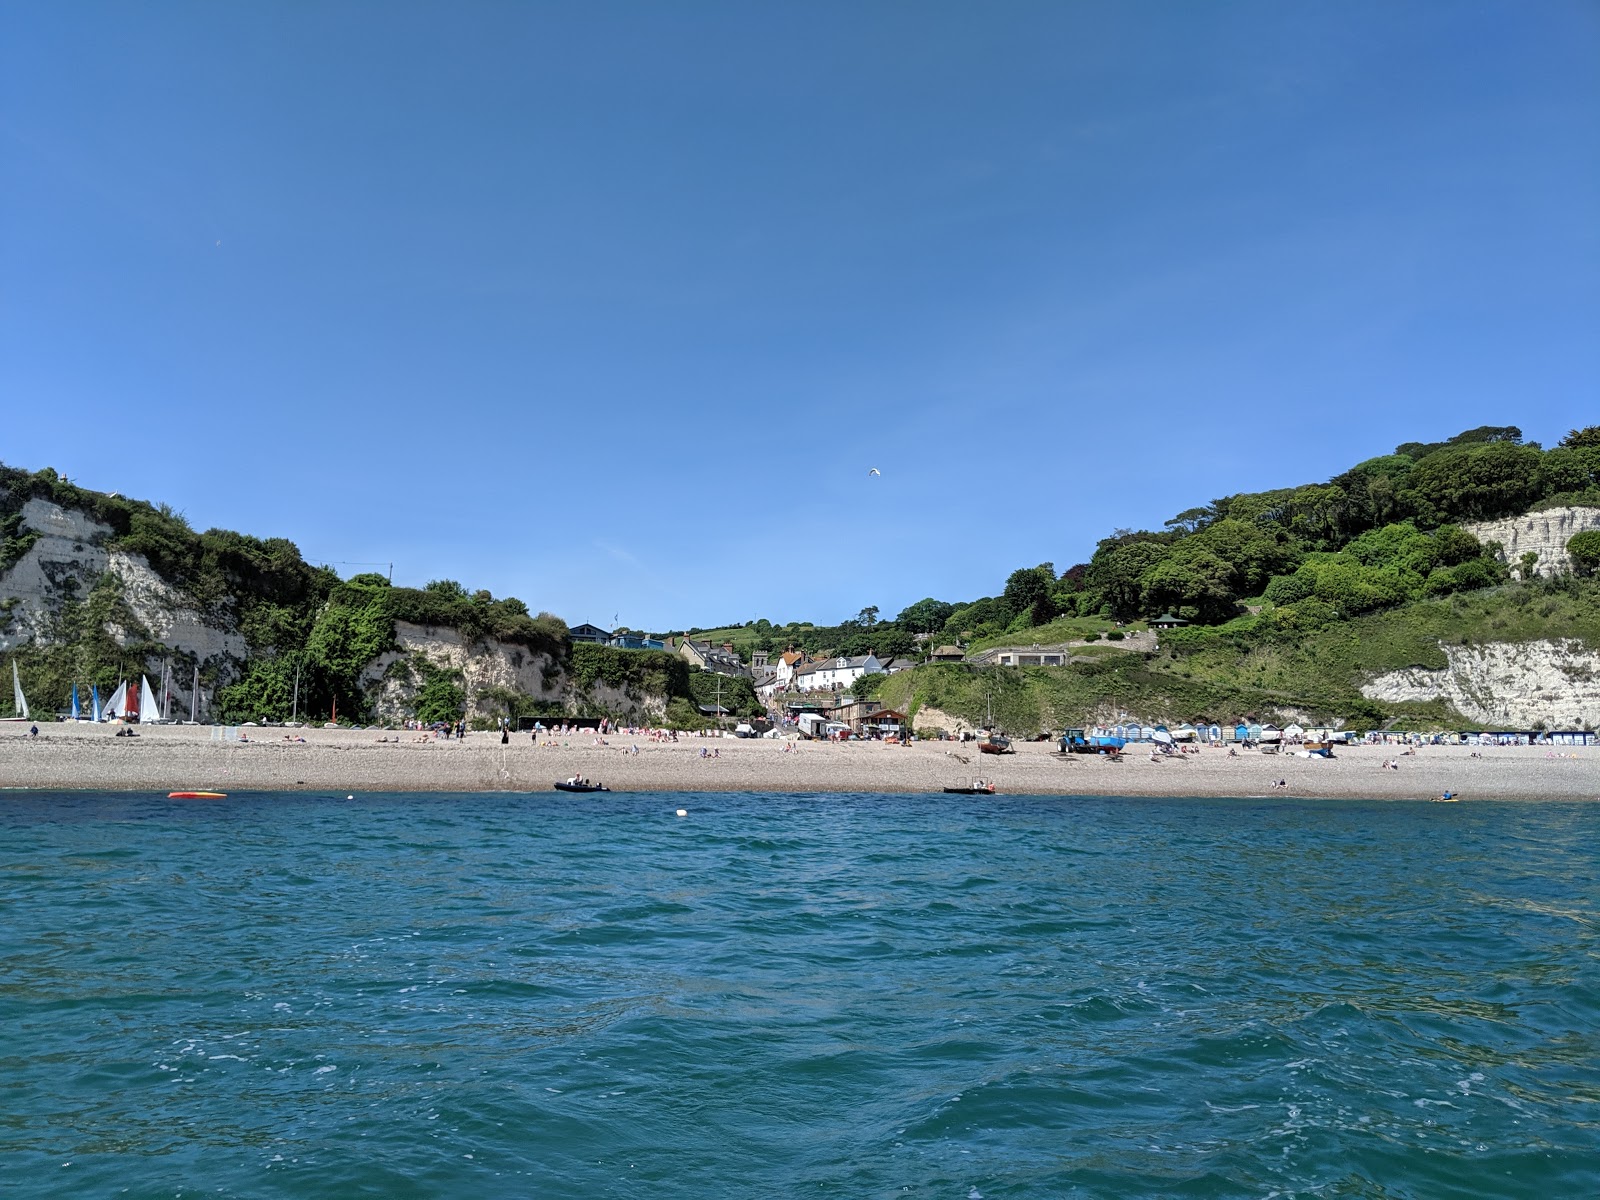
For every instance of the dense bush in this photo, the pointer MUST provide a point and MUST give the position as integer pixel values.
(1585, 551)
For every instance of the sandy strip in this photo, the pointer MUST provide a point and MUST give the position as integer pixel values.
(173, 758)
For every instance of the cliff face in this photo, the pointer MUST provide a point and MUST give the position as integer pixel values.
(1513, 685)
(1544, 533)
(486, 667)
(73, 580)
(70, 558)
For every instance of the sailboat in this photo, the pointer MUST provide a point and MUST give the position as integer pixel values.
(993, 743)
(294, 712)
(17, 698)
(77, 713)
(149, 710)
(114, 706)
(94, 703)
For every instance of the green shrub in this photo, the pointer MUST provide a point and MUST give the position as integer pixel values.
(1585, 551)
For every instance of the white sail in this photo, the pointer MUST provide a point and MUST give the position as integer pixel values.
(149, 710)
(16, 692)
(113, 708)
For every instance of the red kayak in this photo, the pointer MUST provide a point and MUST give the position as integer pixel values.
(197, 795)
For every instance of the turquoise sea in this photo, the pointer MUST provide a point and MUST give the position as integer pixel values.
(797, 995)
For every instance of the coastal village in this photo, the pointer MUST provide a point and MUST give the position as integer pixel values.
(814, 697)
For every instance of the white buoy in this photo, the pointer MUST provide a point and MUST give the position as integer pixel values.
(683, 812)
(349, 797)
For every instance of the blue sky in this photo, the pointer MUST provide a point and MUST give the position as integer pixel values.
(612, 306)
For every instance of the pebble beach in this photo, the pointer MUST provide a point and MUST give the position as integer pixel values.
(179, 758)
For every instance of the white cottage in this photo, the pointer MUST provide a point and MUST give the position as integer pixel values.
(836, 674)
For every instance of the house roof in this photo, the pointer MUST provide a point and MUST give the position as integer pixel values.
(949, 652)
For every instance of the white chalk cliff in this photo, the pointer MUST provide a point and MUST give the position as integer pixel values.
(1544, 533)
(67, 560)
(1516, 685)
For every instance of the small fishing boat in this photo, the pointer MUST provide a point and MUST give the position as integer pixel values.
(579, 785)
(978, 787)
(994, 743)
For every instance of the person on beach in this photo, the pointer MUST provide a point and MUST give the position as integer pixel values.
(505, 736)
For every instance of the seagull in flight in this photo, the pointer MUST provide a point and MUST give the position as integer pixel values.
(874, 471)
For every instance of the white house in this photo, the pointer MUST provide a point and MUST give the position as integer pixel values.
(767, 686)
(836, 674)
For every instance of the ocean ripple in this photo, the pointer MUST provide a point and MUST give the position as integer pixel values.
(503, 996)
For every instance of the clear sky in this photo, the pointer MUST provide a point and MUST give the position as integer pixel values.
(613, 306)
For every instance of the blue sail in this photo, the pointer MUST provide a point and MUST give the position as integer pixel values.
(76, 713)
(94, 691)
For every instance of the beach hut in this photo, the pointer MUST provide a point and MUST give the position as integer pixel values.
(1216, 733)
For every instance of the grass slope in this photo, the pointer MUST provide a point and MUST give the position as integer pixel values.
(1251, 667)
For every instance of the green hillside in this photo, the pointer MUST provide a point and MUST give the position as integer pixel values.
(1260, 665)
(1294, 596)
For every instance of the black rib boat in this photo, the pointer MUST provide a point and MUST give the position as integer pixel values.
(566, 786)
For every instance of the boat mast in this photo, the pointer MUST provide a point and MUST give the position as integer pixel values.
(194, 696)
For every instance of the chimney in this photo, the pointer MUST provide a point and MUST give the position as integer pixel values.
(728, 646)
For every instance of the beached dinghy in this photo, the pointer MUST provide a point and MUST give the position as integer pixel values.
(977, 787)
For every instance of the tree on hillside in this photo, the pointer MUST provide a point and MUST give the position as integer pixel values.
(1585, 551)
(1587, 438)
(1192, 519)
(1373, 489)
(1028, 590)
(1195, 586)
(1115, 570)
(925, 615)
(1474, 482)
(1483, 435)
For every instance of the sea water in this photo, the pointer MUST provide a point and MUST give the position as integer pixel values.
(797, 995)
